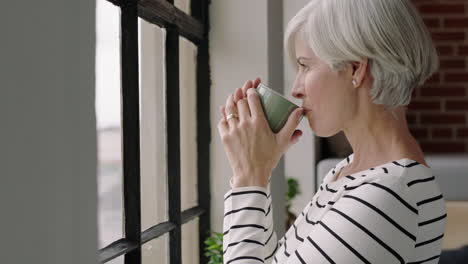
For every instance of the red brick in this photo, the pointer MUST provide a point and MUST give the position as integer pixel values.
(456, 77)
(421, 1)
(435, 78)
(463, 50)
(448, 36)
(456, 104)
(442, 147)
(432, 22)
(453, 64)
(442, 9)
(412, 118)
(462, 132)
(415, 93)
(446, 133)
(442, 91)
(425, 105)
(445, 50)
(442, 119)
(456, 22)
(419, 133)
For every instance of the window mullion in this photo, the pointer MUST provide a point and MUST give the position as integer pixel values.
(131, 128)
(199, 10)
(173, 142)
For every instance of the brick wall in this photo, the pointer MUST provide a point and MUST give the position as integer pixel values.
(438, 113)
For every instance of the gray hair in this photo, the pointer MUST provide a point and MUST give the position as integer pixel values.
(389, 33)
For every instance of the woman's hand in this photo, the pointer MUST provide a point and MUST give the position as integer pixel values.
(253, 150)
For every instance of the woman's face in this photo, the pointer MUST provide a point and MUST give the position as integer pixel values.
(327, 95)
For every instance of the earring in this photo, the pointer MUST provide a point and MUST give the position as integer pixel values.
(354, 82)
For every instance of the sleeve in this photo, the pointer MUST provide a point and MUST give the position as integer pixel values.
(249, 236)
(373, 223)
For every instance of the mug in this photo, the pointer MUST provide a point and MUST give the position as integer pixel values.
(276, 107)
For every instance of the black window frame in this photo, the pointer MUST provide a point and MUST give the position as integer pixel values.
(195, 28)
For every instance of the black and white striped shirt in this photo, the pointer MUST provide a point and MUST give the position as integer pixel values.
(392, 213)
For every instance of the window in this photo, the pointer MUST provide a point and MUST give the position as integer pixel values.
(165, 155)
(109, 132)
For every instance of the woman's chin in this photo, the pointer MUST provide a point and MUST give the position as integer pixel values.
(316, 129)
(311, 122)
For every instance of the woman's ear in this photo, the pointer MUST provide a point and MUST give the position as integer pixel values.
(359, 69)
(354, 66)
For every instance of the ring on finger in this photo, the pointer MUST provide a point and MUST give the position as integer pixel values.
(233, 115)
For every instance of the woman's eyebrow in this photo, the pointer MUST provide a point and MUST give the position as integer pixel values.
(302, 58)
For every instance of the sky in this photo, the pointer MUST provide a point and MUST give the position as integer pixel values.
(107, 64)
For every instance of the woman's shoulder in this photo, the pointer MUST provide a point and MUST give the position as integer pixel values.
(397, 175)
(406, 180)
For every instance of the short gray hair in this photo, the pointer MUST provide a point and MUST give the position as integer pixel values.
(389, 33)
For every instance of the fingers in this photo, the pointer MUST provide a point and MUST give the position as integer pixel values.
(243, 91)
(223, 127)
(222, 109)
(256, 109)
(238, 95)
(247, 85)
(222, 124)
(231, 109)
(287, 132)
(244, 111)
(295, 136)
(252, 84)
(257, 82)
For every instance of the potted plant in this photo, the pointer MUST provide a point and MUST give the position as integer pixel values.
(214, 248)
(292, 191)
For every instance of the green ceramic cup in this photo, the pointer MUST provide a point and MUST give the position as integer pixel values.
(276, 107)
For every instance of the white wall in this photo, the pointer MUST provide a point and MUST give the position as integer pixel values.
(301, 158)
(48, 132)
(246, 42)
(238, 52)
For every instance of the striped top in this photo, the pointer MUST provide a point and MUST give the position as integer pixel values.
(392, 213)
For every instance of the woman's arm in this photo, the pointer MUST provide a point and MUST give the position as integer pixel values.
(253, 151)
(248, 226)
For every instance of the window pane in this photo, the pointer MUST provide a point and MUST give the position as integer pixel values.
(183, 5)
(153, 126)
(117, 260)
(156, 251)
(190, 250)
(188, 123)
(108, 122)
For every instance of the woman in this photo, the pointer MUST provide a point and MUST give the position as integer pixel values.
(357, 64)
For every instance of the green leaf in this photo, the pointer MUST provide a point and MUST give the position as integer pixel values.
(214, 248)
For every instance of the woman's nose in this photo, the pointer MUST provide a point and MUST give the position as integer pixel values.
(297, 91)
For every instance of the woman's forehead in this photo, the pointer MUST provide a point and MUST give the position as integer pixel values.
(302, 49)
(304, 53)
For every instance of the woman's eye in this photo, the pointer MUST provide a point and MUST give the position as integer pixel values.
(302, 65)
